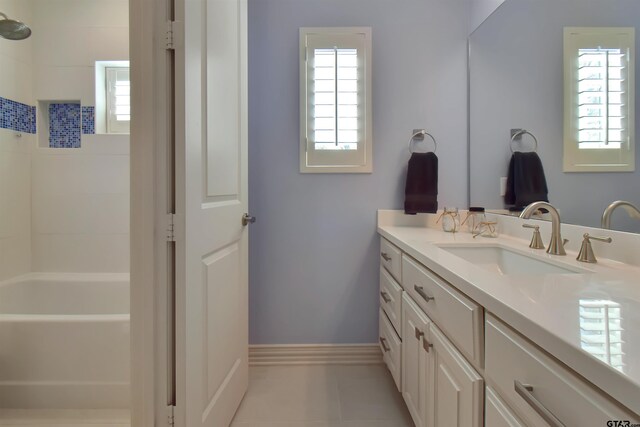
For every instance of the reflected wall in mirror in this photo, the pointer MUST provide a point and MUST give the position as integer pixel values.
(516, 81)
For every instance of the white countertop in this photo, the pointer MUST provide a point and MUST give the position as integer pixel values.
(544, 308)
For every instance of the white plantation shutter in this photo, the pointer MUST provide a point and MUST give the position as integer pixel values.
(118, 100)
(602, 98)
(335, 100)
(599, 99)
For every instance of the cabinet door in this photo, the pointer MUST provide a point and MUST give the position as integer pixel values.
(414, 360)
(457, 388)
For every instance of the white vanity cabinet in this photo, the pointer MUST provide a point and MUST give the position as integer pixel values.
(439, 386)
(416, 369)
(390, 314)
(457, 390)
(497, 413)
(461, 365)
(540, 390)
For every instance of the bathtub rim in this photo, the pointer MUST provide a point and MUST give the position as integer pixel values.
(67, 277)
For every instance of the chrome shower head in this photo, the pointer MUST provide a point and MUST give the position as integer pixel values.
(11, 29)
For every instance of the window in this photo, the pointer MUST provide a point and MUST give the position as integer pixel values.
(599, 99)
(118, 100)
(335, 100)
(113, 97)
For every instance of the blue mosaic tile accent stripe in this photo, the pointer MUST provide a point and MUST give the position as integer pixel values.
(17, 116)
(88, 120)
(64, 125)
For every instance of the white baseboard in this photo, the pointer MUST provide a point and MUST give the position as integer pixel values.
(314, 354)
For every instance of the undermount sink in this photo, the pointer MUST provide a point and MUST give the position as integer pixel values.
(505, 262)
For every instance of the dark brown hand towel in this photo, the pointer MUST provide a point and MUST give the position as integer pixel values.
(421, 189)
(526, 182)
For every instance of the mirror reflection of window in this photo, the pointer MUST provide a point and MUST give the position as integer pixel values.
(599, 99)
(601, 331)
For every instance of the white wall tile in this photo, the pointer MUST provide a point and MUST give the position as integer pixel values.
(16, 80)
(81, 214)
(81, 253)
(74, 83)
(15, 257)
(109, 43)
(81, 12)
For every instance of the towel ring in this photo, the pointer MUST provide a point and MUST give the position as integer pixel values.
(422, 132)
(520, 133)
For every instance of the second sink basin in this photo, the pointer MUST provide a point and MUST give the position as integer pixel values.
(504, 261)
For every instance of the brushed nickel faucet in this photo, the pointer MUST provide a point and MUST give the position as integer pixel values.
(631, 209)
(556, 245)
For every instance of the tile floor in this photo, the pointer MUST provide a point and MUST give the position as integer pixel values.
(322, 396)
(278, 396)
(64, 418)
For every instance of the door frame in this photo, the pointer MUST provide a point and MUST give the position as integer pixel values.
(150, 178)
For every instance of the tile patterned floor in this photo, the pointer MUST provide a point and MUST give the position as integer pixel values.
(278, 396)
(322, 396)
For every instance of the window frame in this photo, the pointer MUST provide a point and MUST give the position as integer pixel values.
(576, 159)
(314, 160)
(114, 126)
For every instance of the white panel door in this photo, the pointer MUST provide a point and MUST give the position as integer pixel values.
(211, 174)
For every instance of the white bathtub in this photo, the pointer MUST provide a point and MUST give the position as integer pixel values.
(64, 341)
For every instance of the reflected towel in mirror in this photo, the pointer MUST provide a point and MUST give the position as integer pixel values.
(526, 182)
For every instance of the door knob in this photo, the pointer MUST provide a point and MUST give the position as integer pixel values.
(248, 219)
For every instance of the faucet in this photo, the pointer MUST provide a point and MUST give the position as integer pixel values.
(556, 245)
(631, 209)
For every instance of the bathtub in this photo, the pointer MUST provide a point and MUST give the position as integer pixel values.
(64, 341)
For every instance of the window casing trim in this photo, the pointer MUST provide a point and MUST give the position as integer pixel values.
(336, 161)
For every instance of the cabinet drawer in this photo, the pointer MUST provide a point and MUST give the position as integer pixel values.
(544, 383)
(391, 299)
(391, 346)
(497, 413)
(391, 258)
(458, 316)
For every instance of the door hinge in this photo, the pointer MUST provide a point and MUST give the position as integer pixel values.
(173, 35)
(169, 35)
(172, 227)
(171, 421)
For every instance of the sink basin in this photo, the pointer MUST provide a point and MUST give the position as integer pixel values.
(506, 262)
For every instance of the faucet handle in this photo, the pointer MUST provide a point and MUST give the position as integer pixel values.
(586, 253)
(536, 240)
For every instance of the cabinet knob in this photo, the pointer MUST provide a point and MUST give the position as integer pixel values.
(426, 345)
(385, 256)
(419, 333)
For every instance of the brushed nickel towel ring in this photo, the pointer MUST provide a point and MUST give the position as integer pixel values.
(516, 133)
(419, 135)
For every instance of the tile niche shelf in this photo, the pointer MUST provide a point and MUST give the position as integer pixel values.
(59, 124)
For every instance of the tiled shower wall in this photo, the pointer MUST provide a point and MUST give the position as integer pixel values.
(16, 89)
(80, 196)
(61, 210)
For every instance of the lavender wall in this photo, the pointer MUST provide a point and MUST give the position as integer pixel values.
(314, 249)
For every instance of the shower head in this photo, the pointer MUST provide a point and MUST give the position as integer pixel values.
(11, 29)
